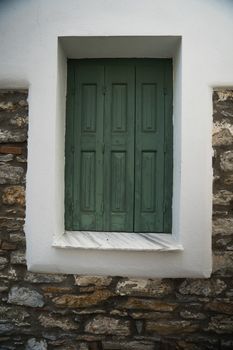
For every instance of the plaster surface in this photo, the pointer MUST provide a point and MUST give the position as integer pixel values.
(31, 57)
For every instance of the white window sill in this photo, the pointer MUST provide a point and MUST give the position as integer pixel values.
(118, 241)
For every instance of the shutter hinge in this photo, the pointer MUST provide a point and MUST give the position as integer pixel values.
(72, 149)
(103, 147)
(104, 89)
(165, 91)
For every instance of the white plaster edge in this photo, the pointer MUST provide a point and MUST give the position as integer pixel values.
(126, 241)
(134, 273)
(191, 221)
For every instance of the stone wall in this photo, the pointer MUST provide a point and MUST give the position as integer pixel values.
(41, 311)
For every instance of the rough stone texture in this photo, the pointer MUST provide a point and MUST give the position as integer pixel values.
(18, 257)
(223, 263)
(11, 223)
(79, 301)
(223, 226)
(13, 118)
(131, 345)
(192, 316)
(6, 328)
(222, 197)
(107, 325)
(15, 315)
(12, 149)
(203, 288)
(226, 161)
(151, 315)
(221, 324)
(147, 304)
(54, 311)
(12, 136)
(3, 262)
(171, 327)
(223, 138)
(49, 290)
(10, 174)
(14, 195)
(221, 306)
(6, 158)
(17, 238)
(228, 180)
(34, 344)
(25, 296)
(142, 287)
(97, 281)
(55, 322)
(43, 278)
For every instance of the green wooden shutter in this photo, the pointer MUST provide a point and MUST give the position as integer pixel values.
(87, 134)
(119, 147)
(149, 145)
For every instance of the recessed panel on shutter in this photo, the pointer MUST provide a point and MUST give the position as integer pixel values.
(88, 139)
(149, 148)
(119, 147)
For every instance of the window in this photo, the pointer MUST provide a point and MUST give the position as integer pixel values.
(119, 145)
(186, 252)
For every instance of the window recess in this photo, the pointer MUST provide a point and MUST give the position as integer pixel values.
(119, 145)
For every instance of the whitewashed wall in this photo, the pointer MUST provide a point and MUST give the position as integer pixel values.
(30, 57)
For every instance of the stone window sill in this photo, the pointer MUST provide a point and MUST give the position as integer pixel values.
(118, 241)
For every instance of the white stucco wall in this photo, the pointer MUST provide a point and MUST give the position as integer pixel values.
(31, 58)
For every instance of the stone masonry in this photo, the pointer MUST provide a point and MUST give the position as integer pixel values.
(47, 311)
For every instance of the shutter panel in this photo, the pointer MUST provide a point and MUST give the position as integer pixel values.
(88, 140)
(149, 140)
(118, 174)
(119, 147)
